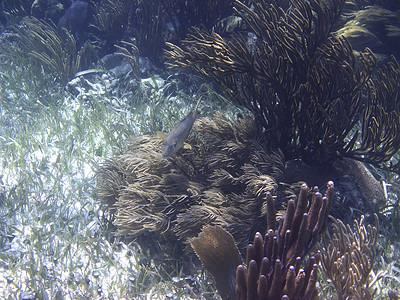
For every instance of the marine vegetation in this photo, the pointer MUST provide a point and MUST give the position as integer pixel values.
(314, 98)
(348, 256)
(55, 238)
(222, 181)
(47, 48)
(273, 264)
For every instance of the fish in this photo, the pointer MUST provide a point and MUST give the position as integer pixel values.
(175, 140)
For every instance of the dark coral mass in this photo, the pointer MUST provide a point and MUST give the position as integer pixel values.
(315, 97)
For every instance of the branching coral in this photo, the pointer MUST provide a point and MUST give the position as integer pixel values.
(54, 51)
(112, 18)
(273, 264)
(375, 27)
(221, 181)
(131, 53)
(348, 256)
(312, 96)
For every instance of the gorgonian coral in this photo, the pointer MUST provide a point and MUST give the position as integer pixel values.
(313, 97)
(221, 181)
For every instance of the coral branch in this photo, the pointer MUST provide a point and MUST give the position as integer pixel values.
(348, 256)
(279, 275)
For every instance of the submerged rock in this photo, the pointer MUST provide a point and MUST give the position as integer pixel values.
(357, 190)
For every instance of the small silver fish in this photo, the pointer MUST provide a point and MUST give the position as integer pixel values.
(177, 137)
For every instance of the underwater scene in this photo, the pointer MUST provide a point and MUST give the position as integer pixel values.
(200, 149)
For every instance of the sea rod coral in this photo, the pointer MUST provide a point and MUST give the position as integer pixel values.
(46, 47)
(273, 264)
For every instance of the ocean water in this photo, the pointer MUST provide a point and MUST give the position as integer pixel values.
(70, 101)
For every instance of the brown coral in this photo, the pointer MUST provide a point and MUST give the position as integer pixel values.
(348, 256)
(221, 181)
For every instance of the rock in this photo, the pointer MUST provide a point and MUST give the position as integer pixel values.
(357, 190)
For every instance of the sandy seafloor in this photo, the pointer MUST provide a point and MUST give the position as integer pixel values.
(55, 238)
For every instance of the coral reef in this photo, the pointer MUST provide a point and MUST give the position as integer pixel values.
(311, 94)
(348, 256)
(221, 181)
(313, 97)
(273, 263)
(357, 190)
